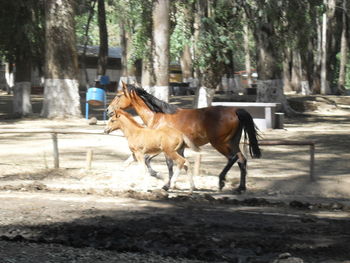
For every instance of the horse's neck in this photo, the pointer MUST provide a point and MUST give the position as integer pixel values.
(145, 113)
(129, 127)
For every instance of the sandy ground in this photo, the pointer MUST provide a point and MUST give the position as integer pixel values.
(37, 200)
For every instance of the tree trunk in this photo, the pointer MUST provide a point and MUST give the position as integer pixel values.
(61, 94)
(103, 50)
(209, 76)
(272, 91)
(287, 70)
(324, 81)
(186, 64)
(296, 71)
(147, 79)
(186, 56)
(86, 40)
(9, 75)
(128, 69)
(316, 76)
(22, 89)
(270, 85)
(247, 51)
(267, 59)
(160, 17)
(343, 53)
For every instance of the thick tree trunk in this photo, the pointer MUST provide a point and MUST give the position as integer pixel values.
(272, 91)
(86, 40)
(103, 51)
(270, 85)
(209, 76)
(160, 17)
(61, 94)
(267, 59)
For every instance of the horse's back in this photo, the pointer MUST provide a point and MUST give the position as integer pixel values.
(203, 124)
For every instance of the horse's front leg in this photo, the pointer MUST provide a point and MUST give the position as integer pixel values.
(222, 176)
(128, 161)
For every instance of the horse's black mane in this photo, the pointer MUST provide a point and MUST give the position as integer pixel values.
(152, 102)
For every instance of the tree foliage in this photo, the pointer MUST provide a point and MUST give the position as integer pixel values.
(22, 31)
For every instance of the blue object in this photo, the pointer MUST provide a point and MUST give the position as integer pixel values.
(95, 97)
(104, 80)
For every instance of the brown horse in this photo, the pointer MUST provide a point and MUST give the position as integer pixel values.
(143, 140)
(220, 126)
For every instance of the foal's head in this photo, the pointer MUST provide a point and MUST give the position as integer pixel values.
(113, 122)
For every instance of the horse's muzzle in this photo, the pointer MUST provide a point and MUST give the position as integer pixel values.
(107, 131)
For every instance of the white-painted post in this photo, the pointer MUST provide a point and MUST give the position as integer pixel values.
(268, 118)
(56, 161)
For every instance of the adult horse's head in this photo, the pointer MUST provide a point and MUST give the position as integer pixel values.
(121, 101)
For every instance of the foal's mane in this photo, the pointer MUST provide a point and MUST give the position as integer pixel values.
(130, 118)
(152, 102)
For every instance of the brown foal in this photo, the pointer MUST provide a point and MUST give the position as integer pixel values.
(146, 141)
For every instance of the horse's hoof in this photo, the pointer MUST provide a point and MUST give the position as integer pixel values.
(239, 190)
(156, 175)
(165, 187)
(221, 185)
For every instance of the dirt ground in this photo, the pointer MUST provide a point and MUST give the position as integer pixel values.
(112, 213)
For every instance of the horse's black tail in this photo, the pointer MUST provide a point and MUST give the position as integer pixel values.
(249, 127)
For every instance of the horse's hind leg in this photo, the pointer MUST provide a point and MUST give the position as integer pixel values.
(222, 177)
(170, 163)
(189, 174)
(242, 163)
(152, 172)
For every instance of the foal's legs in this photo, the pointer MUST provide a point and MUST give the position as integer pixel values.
(141, 161)
(181, 162)
(170, 164)
(189, 174)
(152, 172)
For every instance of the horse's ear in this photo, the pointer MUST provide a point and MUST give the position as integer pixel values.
(125, 89)
(133, 94)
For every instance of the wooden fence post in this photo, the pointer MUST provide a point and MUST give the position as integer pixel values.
(56, 161)
(197, 164)
(312, 162)
(89, 155)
